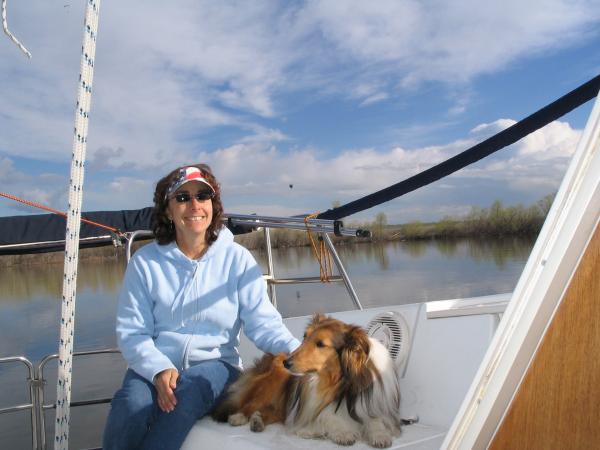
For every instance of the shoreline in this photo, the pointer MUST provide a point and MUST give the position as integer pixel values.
(494, 222)
(280, 239)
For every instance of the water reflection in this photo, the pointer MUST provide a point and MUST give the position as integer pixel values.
(447, 247)
(402, 272)
(368, 253)
(415, 249)
(500, 251)
(27, 282)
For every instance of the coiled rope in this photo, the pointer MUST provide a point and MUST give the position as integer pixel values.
(320, 251)
(65, 348)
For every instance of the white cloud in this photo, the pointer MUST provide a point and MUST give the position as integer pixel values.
(256, 176)
(189, 67)
(266, 209)
(558, 140)
(268, 135)
(168, 74)
(122, 185)
(484, 130)
(536, 162)
(377, 97)
(8, 173)
(450, 41)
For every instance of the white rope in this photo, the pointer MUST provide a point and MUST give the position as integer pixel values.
(84, 96)
(9, 34)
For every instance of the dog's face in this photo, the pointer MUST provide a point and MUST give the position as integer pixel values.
(330, 345)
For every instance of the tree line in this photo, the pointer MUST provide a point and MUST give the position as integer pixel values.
(496, 221)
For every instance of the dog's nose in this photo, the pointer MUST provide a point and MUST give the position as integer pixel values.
(287, 364)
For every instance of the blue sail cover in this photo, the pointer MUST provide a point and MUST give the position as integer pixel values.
(43, 233)
(46, 232)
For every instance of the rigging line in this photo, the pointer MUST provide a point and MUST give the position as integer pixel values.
(512, 134)
(321, 254)
(80, 136)
(56, 211)
(9, 34)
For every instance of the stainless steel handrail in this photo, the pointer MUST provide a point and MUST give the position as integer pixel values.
(281, 219)
(40, 407)
(296, 223)
(320, 226)
(132, 237)
(303, 280)
(271, 270)
(343, 273)
(32, 397)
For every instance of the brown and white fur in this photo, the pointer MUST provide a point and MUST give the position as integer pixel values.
(339, 384)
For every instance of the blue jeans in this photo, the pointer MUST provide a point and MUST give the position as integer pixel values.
(136, 421)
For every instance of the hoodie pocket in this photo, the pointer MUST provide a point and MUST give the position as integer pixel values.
(174, 346)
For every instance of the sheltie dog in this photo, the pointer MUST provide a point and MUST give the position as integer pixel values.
(339, 384)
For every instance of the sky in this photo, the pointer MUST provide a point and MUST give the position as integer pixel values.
(296, 105)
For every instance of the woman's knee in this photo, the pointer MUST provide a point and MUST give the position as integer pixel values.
(131, 413)
(209, 377)
(131, 405)
(136, 396)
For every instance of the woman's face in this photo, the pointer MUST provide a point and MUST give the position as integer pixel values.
(192, 217)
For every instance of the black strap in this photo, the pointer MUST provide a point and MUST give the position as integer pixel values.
(509, 136)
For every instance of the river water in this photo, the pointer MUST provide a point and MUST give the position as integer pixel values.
(382, 274)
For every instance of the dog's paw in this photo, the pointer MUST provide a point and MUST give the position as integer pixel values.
(380, 440)
(237, 419)
(256, 422)
(343, 438)
(378, 434)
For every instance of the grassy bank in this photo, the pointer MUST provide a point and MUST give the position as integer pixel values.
(105, 253)
(495, 221)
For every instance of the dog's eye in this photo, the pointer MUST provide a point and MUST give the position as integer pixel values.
(320, 344)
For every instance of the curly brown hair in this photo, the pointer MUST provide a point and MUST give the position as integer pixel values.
(163, 228)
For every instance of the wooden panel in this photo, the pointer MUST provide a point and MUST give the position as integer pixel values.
(558, 404)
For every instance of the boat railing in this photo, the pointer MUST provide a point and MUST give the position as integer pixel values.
(32, 406)
(322, 227)
(37, 382)
(41, 407)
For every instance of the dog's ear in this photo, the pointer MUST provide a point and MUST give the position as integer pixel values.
(263, 365)
(354, 358)
(317, 319)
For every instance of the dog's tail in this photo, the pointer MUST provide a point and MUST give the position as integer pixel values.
(223, 410)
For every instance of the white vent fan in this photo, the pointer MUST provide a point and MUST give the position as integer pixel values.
(391, 329)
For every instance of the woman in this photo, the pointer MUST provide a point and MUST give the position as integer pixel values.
(184, 299)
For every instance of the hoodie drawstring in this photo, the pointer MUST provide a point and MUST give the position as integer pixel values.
(178, 303)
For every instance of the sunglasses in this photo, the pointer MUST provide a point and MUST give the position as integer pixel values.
(184, 197)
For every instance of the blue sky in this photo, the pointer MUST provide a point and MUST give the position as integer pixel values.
(339, 99)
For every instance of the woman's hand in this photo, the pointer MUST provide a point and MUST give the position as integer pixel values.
(165, 383)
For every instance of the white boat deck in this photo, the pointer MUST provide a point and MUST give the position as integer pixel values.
(208, 434)
(446, 343)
